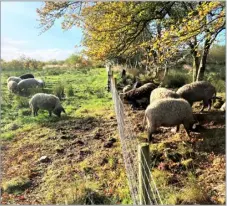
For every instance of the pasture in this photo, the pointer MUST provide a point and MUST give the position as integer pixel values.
(77, 159)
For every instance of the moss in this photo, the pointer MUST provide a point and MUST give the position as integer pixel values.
(16, 185)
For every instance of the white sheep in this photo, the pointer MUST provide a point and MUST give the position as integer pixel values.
(12, 86)
(198, 91)
(169, 112)
(161, 93)
(26, 84)
(48, 102)
(16, 79)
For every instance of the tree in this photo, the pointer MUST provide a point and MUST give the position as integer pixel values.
(150, 34)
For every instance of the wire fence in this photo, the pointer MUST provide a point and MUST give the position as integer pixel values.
(129, 144)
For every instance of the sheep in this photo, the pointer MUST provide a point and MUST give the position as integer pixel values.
(27, 76)
(12, 86)
(127, 88)
(135, 95)
(26, 84)
(41, 82)
(48, 102)
(161, 93)
(16, 79)
(169, 112)
(198, 91)
(222, 107)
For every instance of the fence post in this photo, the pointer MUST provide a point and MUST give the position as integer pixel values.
(144, 174)
(110, 74)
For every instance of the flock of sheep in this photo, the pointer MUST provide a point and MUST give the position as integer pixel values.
(168, 108)
(25, 85)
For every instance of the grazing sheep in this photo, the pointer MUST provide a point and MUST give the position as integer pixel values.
(168, 112)
(161, 93)
(12, 86)
(27, 76)
(135, 95)
(222, 107)
(48, 102)
(41, 82)
(127, 88)
(16, 79)
(26, 84)
(198, 91)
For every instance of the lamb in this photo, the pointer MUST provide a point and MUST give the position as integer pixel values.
(48, 102)
(26, 84)
(198, 91)
(135, 95)
(16, 79)
(222, 107)
(161, 93)
(169, 112)
(12, 86)
(27, 76)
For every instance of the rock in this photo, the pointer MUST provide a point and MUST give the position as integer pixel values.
(44, 159)
(112, 140)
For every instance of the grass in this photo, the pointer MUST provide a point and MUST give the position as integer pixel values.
(64, 180)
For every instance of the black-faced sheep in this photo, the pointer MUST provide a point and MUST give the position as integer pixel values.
(135, 96)
(161, 93)
(27, 76)
(12, 86)
(48, 102)
(16, 79)
(168, 112)
(198, 91)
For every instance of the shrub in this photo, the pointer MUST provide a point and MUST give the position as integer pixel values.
(69, 91)
(59, 90)
(21, 102)
(176, 79)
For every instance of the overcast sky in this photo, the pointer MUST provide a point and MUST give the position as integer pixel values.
(20, 34)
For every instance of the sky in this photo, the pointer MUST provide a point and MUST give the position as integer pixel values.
(20, 34)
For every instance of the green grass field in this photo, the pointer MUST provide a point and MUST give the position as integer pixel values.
(81, 168)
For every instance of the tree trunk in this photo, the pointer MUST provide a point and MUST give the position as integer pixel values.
(195, 67)
(202, 66)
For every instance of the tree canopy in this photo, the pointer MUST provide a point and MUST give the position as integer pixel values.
(151, 33)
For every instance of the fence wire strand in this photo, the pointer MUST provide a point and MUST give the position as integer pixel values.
(129, 143)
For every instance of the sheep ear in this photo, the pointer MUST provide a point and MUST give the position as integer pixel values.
(63, 110)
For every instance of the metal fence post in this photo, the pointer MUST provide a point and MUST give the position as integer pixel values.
(144, 174)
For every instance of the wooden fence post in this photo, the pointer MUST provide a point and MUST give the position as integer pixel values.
(110, 74)
(144, 174)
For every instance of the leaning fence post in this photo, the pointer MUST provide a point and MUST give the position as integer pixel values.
(144, 174)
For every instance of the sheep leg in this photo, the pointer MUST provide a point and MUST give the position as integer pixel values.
(204, 105)
(177, 128)
(209, 104)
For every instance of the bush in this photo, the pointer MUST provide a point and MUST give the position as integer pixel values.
(59, 90)
(69, 91)
(176, 79)
(21, 102)
(217, 80)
